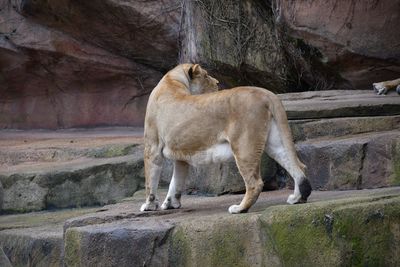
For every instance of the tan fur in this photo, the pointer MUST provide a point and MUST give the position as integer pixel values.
(185, 127)
(383, 87)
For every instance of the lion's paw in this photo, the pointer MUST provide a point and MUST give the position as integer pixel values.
(293, 199)
(149, 206)
(380, 89)
(235, 209)
(168, 204)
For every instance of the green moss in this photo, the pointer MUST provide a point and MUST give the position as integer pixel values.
(302, 238)
(72, 248)
(111, 151)
(395, 178)
(342, 233)
(179, 252)
(363, 236)
(211, 241)
(363, 231)
(227, 248)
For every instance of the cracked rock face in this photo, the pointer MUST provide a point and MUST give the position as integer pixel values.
(356, 41)
(77, 69)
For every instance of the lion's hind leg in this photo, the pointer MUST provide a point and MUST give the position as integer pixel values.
(247, 150)
(152, 164)
(254, 185)
(289, 160)
(176, 186)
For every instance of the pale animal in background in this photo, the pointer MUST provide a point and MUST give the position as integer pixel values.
(191, 123)
(383, 87)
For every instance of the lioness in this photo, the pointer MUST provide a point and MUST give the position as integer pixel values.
(192, 128)
(383, 87)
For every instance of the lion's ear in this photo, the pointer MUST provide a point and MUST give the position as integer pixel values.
(194, 71)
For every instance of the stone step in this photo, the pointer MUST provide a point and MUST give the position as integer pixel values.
(42, 169)
(18, 147)
(370, 160)
(353, 162)
(339, 103)
(80, 182)
(61, 148)
(335, 228)
(337, 127)
(345, 162)
(64, 150)
(36, 238)
(58, 154)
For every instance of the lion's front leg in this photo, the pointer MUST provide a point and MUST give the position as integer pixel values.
(152, 164)
(176, 187)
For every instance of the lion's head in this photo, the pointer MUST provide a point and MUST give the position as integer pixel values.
(199, 80)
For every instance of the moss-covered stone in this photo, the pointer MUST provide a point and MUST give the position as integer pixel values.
(216, 241)
(363, 231)
(355, 232)
(343, 231)
(179, 252)
(117, 243)
(395, 178)
(113, 150)
(72, 248)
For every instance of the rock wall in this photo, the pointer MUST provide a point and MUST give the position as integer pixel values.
(237, 41)
(356, 42)
(82, 64)
(68, 64)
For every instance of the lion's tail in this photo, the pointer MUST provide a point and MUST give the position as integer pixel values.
(297, 168)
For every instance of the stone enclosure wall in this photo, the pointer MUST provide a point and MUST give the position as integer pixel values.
(93, 63)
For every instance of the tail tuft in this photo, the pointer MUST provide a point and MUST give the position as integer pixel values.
(305, 189)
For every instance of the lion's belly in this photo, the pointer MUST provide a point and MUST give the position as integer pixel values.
(215, 154)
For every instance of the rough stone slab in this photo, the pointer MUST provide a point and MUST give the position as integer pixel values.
(348, 232)
(218, 241)
(337, 127)
(339, 103)
(29, 183)
(41, 246)
(121, 243)
(42, 169)
(369, 160)
(201, 232)
(204, 234)
(360, 161)
(4, 261)
(70, 184)
(199, 206)
(35, 239)
(18, 146)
